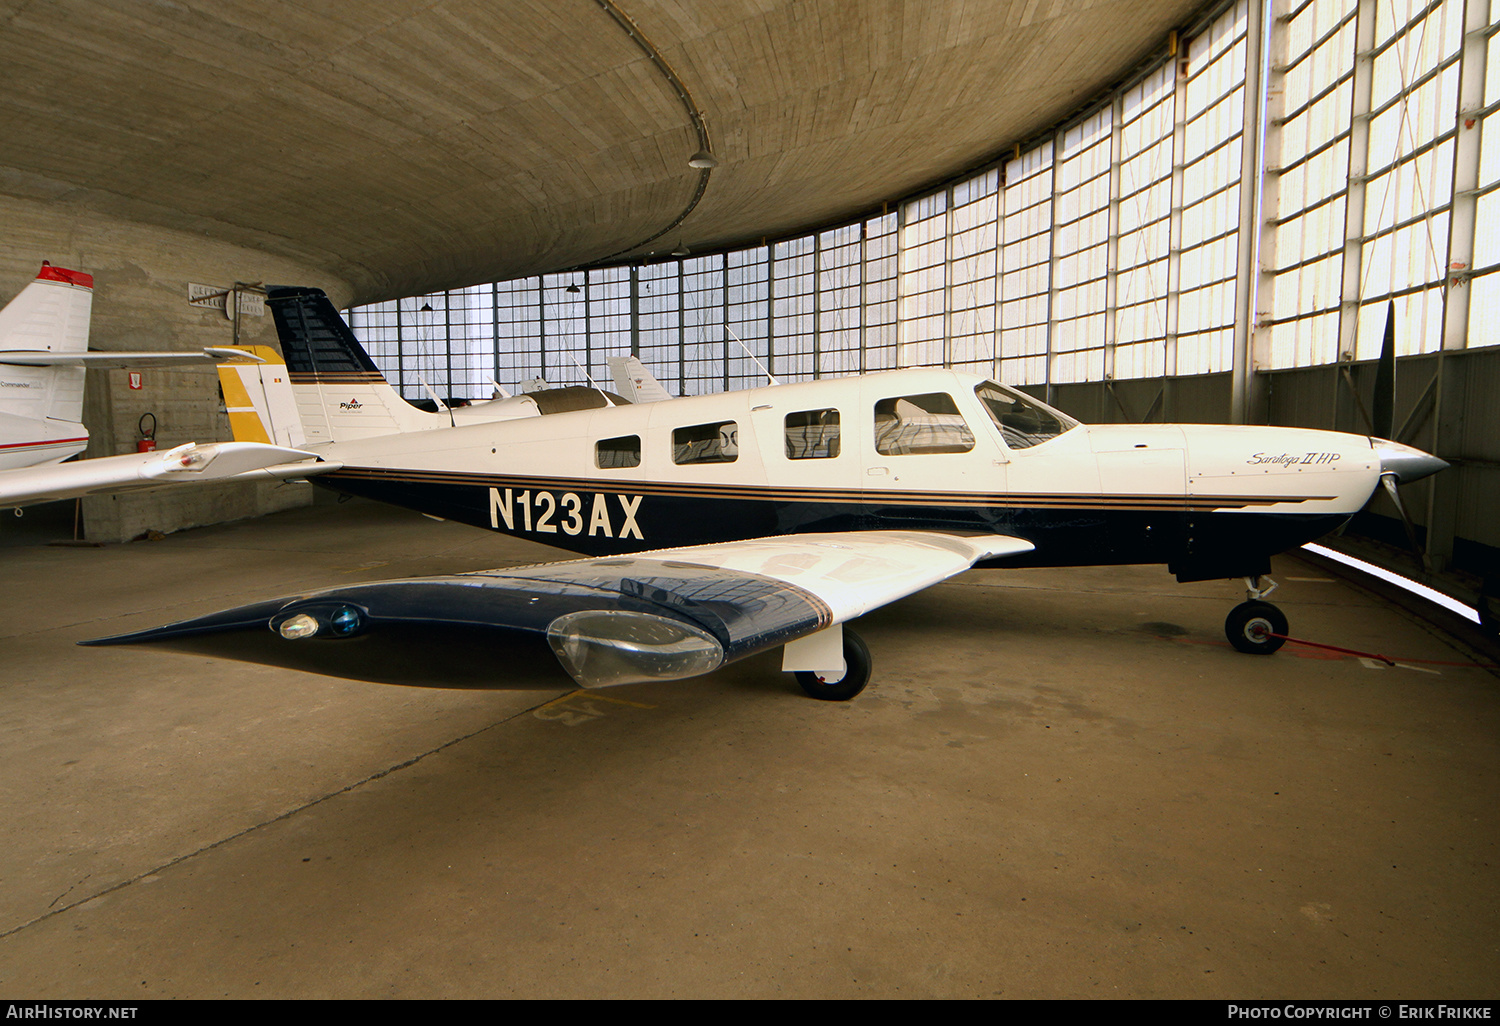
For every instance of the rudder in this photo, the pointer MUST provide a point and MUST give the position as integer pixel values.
(259, 400)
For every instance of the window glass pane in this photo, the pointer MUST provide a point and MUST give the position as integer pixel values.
(1022, 421)
(812, 435)
(618, 452)
(912, 424)
(706, 443)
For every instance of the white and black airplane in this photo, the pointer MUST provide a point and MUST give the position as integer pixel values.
(718, 526)
(44, 338)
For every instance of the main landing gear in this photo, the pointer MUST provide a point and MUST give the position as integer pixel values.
(1252, 624)
(822, 683)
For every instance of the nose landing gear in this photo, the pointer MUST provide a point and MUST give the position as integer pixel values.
(1251, 625)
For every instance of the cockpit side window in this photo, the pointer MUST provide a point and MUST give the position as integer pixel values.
(910, 425)
(1022, 421)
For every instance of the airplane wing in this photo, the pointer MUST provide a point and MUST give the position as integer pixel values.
(213, 461)
(662, 615)
(99, 360)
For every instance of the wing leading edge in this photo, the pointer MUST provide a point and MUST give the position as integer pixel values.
(663, 615)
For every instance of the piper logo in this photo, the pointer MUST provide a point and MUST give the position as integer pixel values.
(352, 404)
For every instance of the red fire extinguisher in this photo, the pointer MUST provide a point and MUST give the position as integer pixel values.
(147, 441)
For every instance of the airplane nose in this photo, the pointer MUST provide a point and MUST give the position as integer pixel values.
(1404, 462)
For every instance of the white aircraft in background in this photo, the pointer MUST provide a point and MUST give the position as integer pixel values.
(719, 526)
(44, 337)
(634, 381)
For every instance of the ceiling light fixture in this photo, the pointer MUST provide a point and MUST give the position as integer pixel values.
(703, 159)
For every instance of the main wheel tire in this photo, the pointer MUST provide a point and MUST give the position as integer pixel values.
(1250, 625)
(856, 673)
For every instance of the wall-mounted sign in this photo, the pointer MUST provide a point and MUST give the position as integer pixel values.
(135, 379)
(215, 297)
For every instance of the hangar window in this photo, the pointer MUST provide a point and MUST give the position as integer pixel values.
(611, 453)
(1022, 421)
(706, 443)
(920, 424)
(812, 435)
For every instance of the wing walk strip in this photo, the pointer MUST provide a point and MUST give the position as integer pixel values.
(759, 492)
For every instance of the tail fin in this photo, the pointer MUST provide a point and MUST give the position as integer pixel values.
(634, 381)
(51, 314)
(340, 394)
(41, 407)
(260, 401)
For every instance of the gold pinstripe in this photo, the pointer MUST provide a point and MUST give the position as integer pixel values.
(1168, 503)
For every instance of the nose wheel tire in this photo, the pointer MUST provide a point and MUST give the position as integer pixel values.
(1250, 625)
(856, 673)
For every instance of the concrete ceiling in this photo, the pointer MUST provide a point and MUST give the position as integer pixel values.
(414, 145)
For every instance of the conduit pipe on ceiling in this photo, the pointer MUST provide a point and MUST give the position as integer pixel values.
(703, 160)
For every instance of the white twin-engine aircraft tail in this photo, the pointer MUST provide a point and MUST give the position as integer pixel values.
(717, 526)
(41, 405)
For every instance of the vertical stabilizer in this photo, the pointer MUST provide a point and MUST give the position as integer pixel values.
(634, 381)
(51, 314)
(41, 407)
(340, 393)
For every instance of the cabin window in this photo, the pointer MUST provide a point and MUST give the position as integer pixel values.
(611, 453)
(912, 425)
(812, 435)
(706, 443)
(1022, 421)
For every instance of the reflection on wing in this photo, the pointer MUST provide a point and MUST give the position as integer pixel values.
(663, 615)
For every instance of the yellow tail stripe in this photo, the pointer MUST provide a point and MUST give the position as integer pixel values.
(243, 418)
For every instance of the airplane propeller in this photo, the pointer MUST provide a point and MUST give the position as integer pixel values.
(1400, 464)
(1383, 404)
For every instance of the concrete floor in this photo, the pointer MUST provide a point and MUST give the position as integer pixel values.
(1060, 784)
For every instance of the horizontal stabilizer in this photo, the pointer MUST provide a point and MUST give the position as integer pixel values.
(96, 360)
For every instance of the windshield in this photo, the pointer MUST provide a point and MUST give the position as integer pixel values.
(1023, 422)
